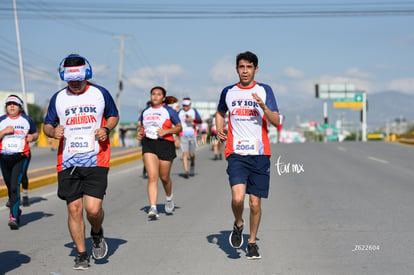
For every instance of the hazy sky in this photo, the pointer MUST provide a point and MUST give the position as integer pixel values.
(190, 48)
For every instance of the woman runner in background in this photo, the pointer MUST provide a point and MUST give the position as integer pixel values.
(16, 131)
(156, 135)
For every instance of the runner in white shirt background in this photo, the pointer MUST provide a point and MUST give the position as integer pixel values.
(189, 118)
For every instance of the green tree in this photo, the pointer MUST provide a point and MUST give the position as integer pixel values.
(36, 113)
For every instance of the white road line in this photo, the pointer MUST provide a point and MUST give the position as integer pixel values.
(123, 171)
(49, 194)
(379, 160)
(341, 149)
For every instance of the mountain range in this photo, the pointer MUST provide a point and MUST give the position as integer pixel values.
(383, 107)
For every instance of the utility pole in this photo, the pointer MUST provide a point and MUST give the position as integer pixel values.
(325, 120)
(120, 84)
(121, 63)
(364, 117)
(19, 51)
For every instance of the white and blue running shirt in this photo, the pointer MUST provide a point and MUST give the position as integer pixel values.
(189, 128)
(81, 114)
(17, 142)
(155, 118)
(247, 124)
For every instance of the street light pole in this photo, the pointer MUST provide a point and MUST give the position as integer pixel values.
(19, 52)
(364, 116)
(121, 63)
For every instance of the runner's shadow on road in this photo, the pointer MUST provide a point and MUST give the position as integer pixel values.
(113, 245)
(34, 200)
(222, 241)
(11, 260)
(32, 216)
(182, 175)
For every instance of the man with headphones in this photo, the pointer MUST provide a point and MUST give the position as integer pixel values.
(81, 116)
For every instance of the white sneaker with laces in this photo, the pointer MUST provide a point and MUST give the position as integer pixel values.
(169, 206)
(153, 213)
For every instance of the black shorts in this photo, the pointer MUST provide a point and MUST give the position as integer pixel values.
(164, 149)
(75, 182)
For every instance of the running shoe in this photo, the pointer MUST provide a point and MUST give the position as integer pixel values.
(236, 236)
(144, 173)
(14, 221)
(169, 206)
(99, 246)
(26, 201)
(192, 170)
(253, 251)
(153, 213)
(14, 225)
(81, 262)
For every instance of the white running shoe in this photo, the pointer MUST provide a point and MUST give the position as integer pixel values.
(153, 213)
(169, 206)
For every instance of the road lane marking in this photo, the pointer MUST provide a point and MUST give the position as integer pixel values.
(377, 159)
(123, 171)
(341, 149)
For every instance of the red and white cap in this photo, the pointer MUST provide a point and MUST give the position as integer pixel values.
(14, 99)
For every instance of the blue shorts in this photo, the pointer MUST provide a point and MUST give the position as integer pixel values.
(253, 171)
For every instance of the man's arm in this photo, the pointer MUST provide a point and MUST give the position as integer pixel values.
(53, 132)
(220, 126)
(111, 123)
(272, 117)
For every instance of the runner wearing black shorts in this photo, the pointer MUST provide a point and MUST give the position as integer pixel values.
(157, 124)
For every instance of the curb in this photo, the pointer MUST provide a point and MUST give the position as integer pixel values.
(409, 141)
(51, 178)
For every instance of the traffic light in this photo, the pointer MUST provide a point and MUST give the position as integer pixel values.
(325, 122)
(316, 90)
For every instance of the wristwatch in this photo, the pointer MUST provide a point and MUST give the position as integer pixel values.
(107, 130)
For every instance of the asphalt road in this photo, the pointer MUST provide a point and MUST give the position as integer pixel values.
(44, 157)
(334, 208)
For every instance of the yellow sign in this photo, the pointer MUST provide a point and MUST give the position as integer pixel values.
(351, 104)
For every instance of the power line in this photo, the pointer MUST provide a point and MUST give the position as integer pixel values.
(123, 11)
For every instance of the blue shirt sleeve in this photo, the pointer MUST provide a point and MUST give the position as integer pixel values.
(32, 125)
(270, 98)
(110, 107)
(222, 106)
(173, 115)
(51, 116)
(197, 117)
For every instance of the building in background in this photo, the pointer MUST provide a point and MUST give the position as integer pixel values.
(206, 109)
